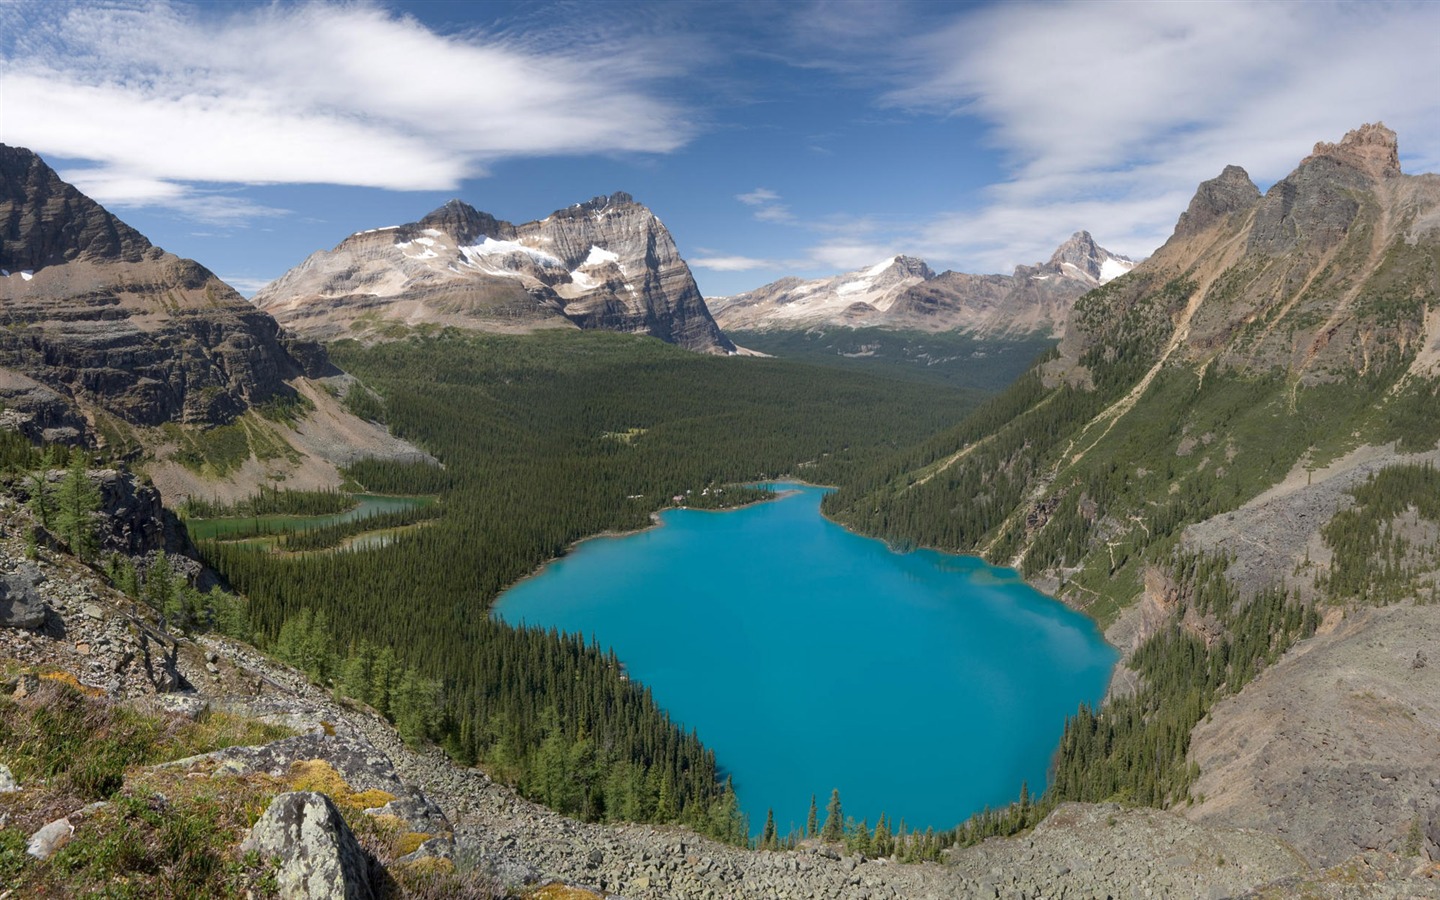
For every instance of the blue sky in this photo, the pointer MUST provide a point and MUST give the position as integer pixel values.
(801, 138)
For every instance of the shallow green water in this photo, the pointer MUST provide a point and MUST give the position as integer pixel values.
(923, 685)
(368, 505)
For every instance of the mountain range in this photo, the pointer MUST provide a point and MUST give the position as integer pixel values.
(904, 293)
(1228, 461)
(608, 263)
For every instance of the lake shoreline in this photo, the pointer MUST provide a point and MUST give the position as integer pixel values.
(723, 596)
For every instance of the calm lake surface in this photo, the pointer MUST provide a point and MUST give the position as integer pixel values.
(922, 685)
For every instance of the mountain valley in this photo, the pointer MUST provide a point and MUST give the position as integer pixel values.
(1224, 455)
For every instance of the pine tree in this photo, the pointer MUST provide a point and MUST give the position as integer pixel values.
(41, 497)
(160, 584)
(811, 821)
(767, 837)
(76, 504)
(834, 819)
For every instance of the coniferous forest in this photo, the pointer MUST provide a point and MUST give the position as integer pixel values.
(545, 440)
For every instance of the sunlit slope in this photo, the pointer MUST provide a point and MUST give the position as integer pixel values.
(1269, 333)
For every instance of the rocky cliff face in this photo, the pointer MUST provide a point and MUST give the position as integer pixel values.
(608, 263)
(1331, 272)
(97, 319)
(904, 293)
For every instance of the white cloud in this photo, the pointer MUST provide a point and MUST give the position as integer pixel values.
(758, 197)
(768, 209)
(1109, 114)
(158, 98)
(731, 263)
(245, 284)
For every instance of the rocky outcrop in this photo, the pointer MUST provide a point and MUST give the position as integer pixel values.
(319, 857)
(606, 264)
(903, 292)
(21, 605)
(1230, 193)
(1336, 748)
(1316, 204)
(98, 316)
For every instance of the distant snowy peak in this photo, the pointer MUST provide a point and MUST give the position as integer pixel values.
(851, 298)
(1081, 259)
(904, 292)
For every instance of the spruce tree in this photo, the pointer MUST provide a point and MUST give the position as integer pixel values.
(811, 821)
(767, 837)
(834, 819)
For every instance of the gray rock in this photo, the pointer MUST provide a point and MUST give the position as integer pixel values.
(21, 605)
(8, 784)
(319, 856)
(50, 838)
(190, 706)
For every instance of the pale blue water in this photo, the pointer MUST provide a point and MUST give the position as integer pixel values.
(923, 685)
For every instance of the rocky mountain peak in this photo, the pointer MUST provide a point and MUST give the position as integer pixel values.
(463, 222)
(1081, 259)
(607, 263)
(1230, 192)
(1372, 148)
(46, 222)
(902, 267)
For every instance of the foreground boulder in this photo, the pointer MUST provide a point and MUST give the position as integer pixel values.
(319, 856)
(21, 605)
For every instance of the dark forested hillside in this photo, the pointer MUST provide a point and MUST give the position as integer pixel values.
(546, 439)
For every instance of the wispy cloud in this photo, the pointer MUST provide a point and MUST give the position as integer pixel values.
(1109, 114)
(768, 207)
(159, 99)
(732, 263)
(758, 197)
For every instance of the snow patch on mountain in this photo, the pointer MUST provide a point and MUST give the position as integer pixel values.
(1113, 268)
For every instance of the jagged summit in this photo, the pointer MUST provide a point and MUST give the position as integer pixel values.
(462, 220)
(1372, 148)
(607, 263)
(904, 292)
(1083, 259)
(1232, 191)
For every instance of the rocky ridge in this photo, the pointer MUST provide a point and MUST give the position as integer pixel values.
(904, 292)
(108, 339)
(608, 263)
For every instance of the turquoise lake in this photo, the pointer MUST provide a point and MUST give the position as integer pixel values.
(922, 685)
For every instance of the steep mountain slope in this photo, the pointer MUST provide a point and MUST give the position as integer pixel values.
(109, 339)
(608, 263)
(904, 293)
(98, 319)
(1178, 467)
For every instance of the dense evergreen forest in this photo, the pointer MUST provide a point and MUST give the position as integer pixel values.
(544, 440)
